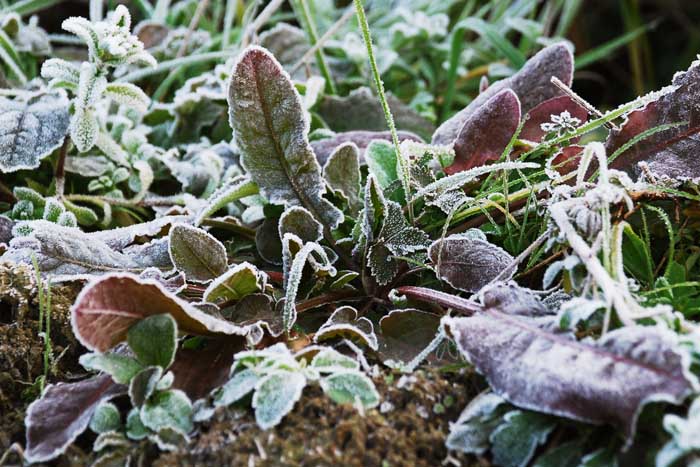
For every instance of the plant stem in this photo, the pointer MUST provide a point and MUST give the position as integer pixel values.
(60, 172)
(405, 172)
(229, 16)
(308, 22)
(196, 18)
(175, 63)
(349, 13)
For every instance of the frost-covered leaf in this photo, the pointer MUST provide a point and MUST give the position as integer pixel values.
(106, 418)
(120, 367)
(396, 238)
(107, 308)
(671, 152)
(258, 310)
(168, 409)
(134, 426)
(405, 333)
(323, 148)
(607, 381)
(361, 110)
(532, 84)
(238, 188)
(349, 387)
(275, 396)
(486, 132)
(542, 114)
(342, 173)
(61, 73)
(154, 340)
(345, 322)
(31, 129)
(196, 253)
(128, 95)
(380, 157)
(515, 440)
(63, 413)
(515, 299)
(242, 383)
(239, 281)
(471, 432)
(271, 129)
(328, 360)
(469, 264)
(144, 384)
(299, 221)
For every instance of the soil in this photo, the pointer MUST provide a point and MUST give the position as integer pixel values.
(22, 348)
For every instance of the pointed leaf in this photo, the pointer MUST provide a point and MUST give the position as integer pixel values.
(238, 188)
(120, 367)
(242, 383)
(239, 281)
(271, 129)
(486, 132)
(342, 173)
(471, 432)
(196, 253)
(514, 442)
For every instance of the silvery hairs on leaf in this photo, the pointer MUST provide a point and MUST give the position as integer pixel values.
(468, 264)
(532, 84)
(342, 173)
(345, 322)
(606, 381)
(31, 128)
(197, 253)
(271, 129)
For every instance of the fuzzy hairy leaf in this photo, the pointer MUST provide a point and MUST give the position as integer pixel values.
(258, 310)
(271, 130)
(469, 264)
(64, 412)
(239, 281)
(345, 322)
(196, 253)
(323, 148)
(671, 152)
(107, 307)
(275, 396)
(242, 383)
(380, 157)
(342, 173)
(471, 432)
(300, 222)
(120, 367)
(349, 387)
(532, 84)
(105, 419)
(607, 381)
(129, 95)
(168, 409)
(144, 384)
(486, 132)
(31, 129)
(514, 442)
(238, 188)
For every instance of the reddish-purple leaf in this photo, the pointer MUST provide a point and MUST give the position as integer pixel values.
(671, 152)
(532, 84)
(325, 147)
(567, 160)
(199, 371)
(107, 307)
(542, 113)
(486, 132)
(62, 414)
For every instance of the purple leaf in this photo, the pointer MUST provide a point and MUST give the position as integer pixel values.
(671, 152)
(542, 113)
(325, 147)
(532, 84)
(62, 414)
(468, 264)
(486, 132)
(107, 307)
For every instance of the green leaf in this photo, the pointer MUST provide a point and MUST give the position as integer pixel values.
(168, 409)
(275, 396)
(514, 442)
(300, 222)
(349, 387)
(135, 428)
(342, 173)
(106, 418)
(328, 360)
(143, 385)
(120, 367)
(242, 383)
(129, 95)
(196, 253)
(153, 340)
(271, 129)
(381, 162)
(237, 188)
(239, 281)
(637, 257)
(477, 421)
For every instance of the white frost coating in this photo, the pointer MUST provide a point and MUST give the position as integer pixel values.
(241, 280)
(275, 396)
(238, 188)
(129, 95)
(344, 320)
(196, 253)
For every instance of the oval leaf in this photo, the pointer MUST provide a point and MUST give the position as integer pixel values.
(196, 253)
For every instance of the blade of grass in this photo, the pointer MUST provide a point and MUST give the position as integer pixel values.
(605, 50)
(301, 8)
(27, 7)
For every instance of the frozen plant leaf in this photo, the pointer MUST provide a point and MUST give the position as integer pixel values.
(323, 148)
(542, 114)
(515, 440)
(134, 426)
(84, 127)
(471, 432)
(196, 253)
(328, 360)
(239, 281)
(154, 340)
(299, 221)
(61, 73)
(486, 132)
(396, 238)
(515, 299)
(469, 264)
(241, 384)
(168, 409)
(238, 188)
(271, 129)
(128, 95)
(106, 418)
(144, 384)
(350, 387)
(405, 334)
(108, 307)
(258, 310)
(120, 367)
(380, 157)
(342, 173)
(275, 396)
(345, 322)
(31, 129)
(63, 413)
(532, 84)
